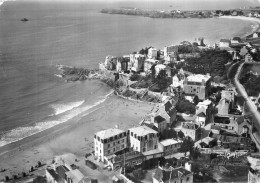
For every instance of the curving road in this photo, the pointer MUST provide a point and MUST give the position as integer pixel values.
(250, 104)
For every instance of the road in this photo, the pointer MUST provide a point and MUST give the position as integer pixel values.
(250, 104)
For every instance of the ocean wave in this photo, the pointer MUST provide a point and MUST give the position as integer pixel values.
(23, 132)
(61, 108)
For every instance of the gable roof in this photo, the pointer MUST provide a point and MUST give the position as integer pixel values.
(201, 114)
(170, 109)
(61, 171)
(159, 119)
(54, 175)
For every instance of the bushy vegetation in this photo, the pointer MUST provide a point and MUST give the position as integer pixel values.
(185, 106)
(251, 83)
(185, 48)
(210, 61)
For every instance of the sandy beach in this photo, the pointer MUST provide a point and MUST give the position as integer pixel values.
(251, 19)
(73, 137)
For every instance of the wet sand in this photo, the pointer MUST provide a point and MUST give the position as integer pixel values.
(74, 136)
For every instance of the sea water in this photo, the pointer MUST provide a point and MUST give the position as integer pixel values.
(33, 98)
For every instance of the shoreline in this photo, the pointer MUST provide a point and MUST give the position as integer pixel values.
(251, 19)
(21, 155)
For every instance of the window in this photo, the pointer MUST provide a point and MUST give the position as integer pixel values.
(144, 149)
(188, 178)
(155, 147)
(132, 134)
(114, 149)
(114, 143)
(135, 135)
(98, 139)
(118, 142)
(120, 135)
(123, 146)
(116, 137)
(111, 139)
(123, 140)
(108, 145)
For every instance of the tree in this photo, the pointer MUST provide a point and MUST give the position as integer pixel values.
(138, 174)
(196, 100)
(180, 134)
(195, 153)
(186, 145)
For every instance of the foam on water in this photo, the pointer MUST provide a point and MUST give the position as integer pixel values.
(23, 132)
(61, 108)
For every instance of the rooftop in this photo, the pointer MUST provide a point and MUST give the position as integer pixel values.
(159, 119)
(104, 134)
(160, 66)
(142, 130)
(224, 40)
(190, 125)
(166, 176)
(168, 142)
(198, 78)
(201, 114)
(75, 175)
(55, 176)
(205, 102)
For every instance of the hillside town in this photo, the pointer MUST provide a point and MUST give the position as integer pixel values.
(201, 123)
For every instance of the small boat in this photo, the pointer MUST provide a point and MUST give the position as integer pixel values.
(24, 20)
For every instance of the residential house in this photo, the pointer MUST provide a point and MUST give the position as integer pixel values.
(170, 50)
(143, 138)
(224, 106)
(122, 64)
(152, 53)
(170, 147)
(191, 129)
(52, 176)
(158, 68)
(110, 62)
(177, 175)
(137, 62)
(204, 112)
(128, 159)
(157, 123)
(236, 40)
(224, 43)
(197, 85)
(110, 141)
(233, 142)
(248, 58)
(148, 63)
(167, 110)
(230, 123)
(74, 176)
(206, 142)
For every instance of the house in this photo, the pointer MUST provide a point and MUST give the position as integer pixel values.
(229, 123)
(191, 129)
(137, 62)
(170, 147)
(224, 43)
(167, 110)
(110, 62)
(236, 40)
(74, 176)
(204, 112)
(206, 142)
(128, 159)
(177, 175)
(248, 58)
(158, 68)
(110, 141)
(197, 84)
(157, 123)
(143, 138)
(52, 176)
(254, 171)
(152, 53)
(148, 63)
(170, 50)
(233, 142)
(122, 64)
(224, 107)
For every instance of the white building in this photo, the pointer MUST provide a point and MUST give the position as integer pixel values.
(143, 138)
(170, 147)
(158, 68)
(152, 53)
(148, 63)
(224, 43)
(203, 112)
(108, 142)
(137, 62)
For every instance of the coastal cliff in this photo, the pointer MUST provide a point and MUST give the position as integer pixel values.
(158, 13)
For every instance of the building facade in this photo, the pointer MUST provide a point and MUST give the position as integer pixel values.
(152, 53)
(108, 142)
(197, 85)
(137, 62)
(191, 129)
(143, 138)
(170, 147)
